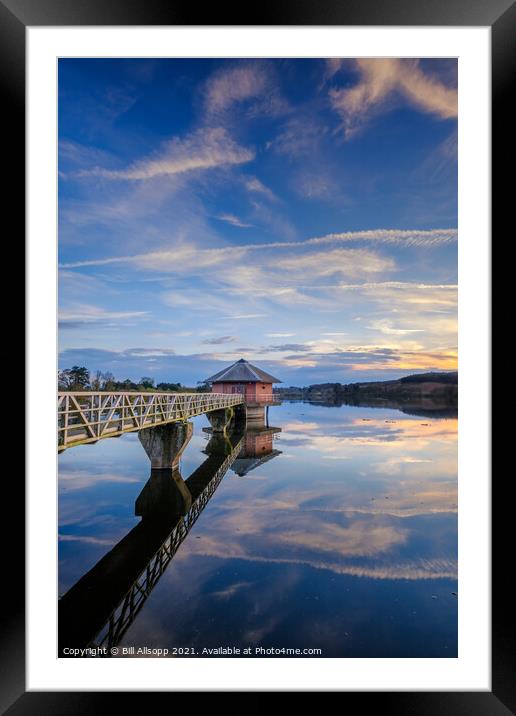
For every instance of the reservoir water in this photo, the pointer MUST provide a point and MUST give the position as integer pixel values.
(336, 535)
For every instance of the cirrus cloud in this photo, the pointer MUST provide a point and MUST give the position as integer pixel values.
(204, 149)
(349, 262)
(383, 82)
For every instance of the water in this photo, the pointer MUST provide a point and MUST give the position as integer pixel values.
(340, 535)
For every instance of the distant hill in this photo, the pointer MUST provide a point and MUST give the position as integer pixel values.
(414, 390)
(451, 378)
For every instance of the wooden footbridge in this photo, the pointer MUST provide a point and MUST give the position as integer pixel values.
(88, 417)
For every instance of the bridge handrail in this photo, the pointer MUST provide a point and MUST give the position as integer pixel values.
(88, 416)
(168, 394)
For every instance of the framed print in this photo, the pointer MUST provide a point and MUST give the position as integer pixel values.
(258, 261)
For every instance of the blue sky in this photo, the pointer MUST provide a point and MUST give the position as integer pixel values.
(299, 213)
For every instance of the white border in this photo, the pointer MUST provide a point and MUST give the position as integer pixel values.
(471, 671)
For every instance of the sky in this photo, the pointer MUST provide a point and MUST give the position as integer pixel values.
(299, 213)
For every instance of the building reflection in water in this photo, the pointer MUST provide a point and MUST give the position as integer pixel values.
(257, 448)
(99, 608)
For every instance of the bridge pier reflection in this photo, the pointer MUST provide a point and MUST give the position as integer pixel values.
(99, 608)
(165, 493)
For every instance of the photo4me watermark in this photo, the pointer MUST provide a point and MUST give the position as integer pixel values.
(147, 651)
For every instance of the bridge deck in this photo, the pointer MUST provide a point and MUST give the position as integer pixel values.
(88, 417)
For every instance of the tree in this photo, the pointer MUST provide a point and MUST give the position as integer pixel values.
(75, 378)
(146, 382)
(174, 387)
(80, 377)
(108, 381)
(63, 379)
(96, 382)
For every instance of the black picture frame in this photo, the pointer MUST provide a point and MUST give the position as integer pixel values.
(15, 16)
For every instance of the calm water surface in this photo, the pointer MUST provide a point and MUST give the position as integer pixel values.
(341, 535)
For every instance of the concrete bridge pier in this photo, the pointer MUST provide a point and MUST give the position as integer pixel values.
(240, 418)
(220, 419)
(164, 444)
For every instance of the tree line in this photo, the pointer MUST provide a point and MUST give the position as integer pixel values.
(79, 378)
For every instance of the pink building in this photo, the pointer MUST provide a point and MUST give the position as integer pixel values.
(242, 377)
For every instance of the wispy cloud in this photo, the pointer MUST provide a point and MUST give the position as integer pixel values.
(397, 285)
(378, 358)
(73, 155)
(233, 220)
(71, 480)
(205, 149)
(159, 259)
(415, 570)
(85, 539)
(382, 83)
(80, 315)
(299, 136)
(318, 185)
(440, 164)
(255, 185)
(220, 340)
(286, 347)
(348, 262)
(250, 84)
(236, 84)
(149, 352)
(387, 327)
(332, 66)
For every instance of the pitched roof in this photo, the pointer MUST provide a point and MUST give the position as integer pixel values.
(242, 371)
(242, 465)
